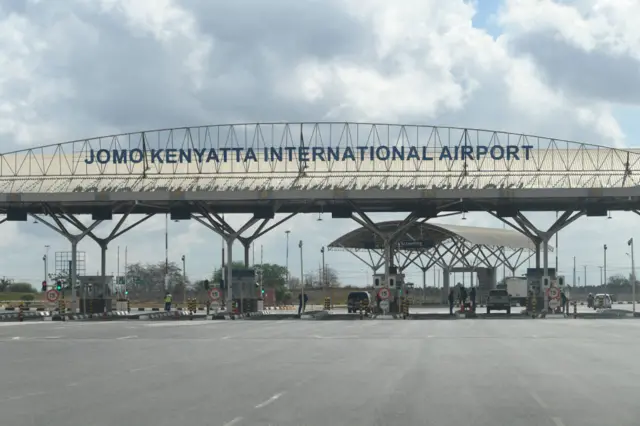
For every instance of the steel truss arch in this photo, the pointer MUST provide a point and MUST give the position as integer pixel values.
(551, 163)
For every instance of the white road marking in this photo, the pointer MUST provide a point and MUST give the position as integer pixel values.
(315, 336)
(126, 337)
(539, 400)
(234, 421)
(53, 337)
(15, 338)
(270, 400)
(13, 398)
(226, 337)
(147, 367)
(558, 421)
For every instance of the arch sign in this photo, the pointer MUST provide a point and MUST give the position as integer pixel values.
(384, 293)
(214, 294)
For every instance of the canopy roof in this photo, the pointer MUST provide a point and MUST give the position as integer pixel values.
(432, 234)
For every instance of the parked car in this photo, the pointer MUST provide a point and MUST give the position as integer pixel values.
(354, 298)
(499, 300)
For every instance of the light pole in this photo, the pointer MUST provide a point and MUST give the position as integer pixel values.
(633, 275)
(166, 252)
(287, 261)
(324, 273)
(184, 279)
(605, 269)
(301, 278)
(46, 265)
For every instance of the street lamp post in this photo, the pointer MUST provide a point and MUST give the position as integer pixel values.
(605, 268)
(633, 275)
(301, 278)
(184, 279)
(287, 261)
(324, 274)
(46, 264)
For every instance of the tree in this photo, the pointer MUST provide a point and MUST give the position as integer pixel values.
(273, 276)
(21, 288)
(5, 283)
(149, 278)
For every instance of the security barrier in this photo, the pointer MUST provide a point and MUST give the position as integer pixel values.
(534, 307)
(20, 312)
(327, 303)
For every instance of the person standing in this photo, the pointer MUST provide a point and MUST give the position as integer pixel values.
(167, 302)
(451, 300)
(472, 294)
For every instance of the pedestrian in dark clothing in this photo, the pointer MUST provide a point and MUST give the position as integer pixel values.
(473, 298)
(451, 299)
(463, 295)
(563, 297)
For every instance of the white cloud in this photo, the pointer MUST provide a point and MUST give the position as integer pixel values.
(97, 67)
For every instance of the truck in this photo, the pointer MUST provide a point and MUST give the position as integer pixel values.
(517, 288)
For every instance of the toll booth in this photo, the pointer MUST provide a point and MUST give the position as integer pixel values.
(395, 285)
(94, 294)
(537, 286)
(245, 291)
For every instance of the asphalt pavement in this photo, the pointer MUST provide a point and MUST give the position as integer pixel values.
(371, 372)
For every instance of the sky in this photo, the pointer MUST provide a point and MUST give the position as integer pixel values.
(82, 68)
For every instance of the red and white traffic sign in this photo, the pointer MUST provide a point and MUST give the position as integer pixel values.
(384, 293)
(214, 294)
(52, 295)
(554, 293)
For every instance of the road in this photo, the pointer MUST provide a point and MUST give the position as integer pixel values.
(451, 373)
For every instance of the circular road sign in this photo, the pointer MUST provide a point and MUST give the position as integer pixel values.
(554, 303)
(384, 293)
(52, 295)
(384, 305)
(554, 293)
(214, 294)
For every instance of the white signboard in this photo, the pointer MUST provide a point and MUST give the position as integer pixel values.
(384, 305)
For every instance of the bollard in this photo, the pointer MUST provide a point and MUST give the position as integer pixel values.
(20, 313)
(327, 303)
(208, 305)
(91, 308)
(575, 309)
(128, 306)
(405, 308)
(533, 304)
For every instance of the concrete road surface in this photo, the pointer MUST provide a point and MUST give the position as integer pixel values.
(453, 373)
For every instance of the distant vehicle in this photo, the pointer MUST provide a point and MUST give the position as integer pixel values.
(517, 288)
(499, 300)
(354, 298)
(602, 301)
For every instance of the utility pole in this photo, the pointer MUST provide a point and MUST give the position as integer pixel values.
(166, 252)
(605, 268)
(324, 274)
(301, 277)
(557, 247)
(601, 282)
(287, 261)
(633, 275)
(574, 271)
(585, 275)
(184, 279)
